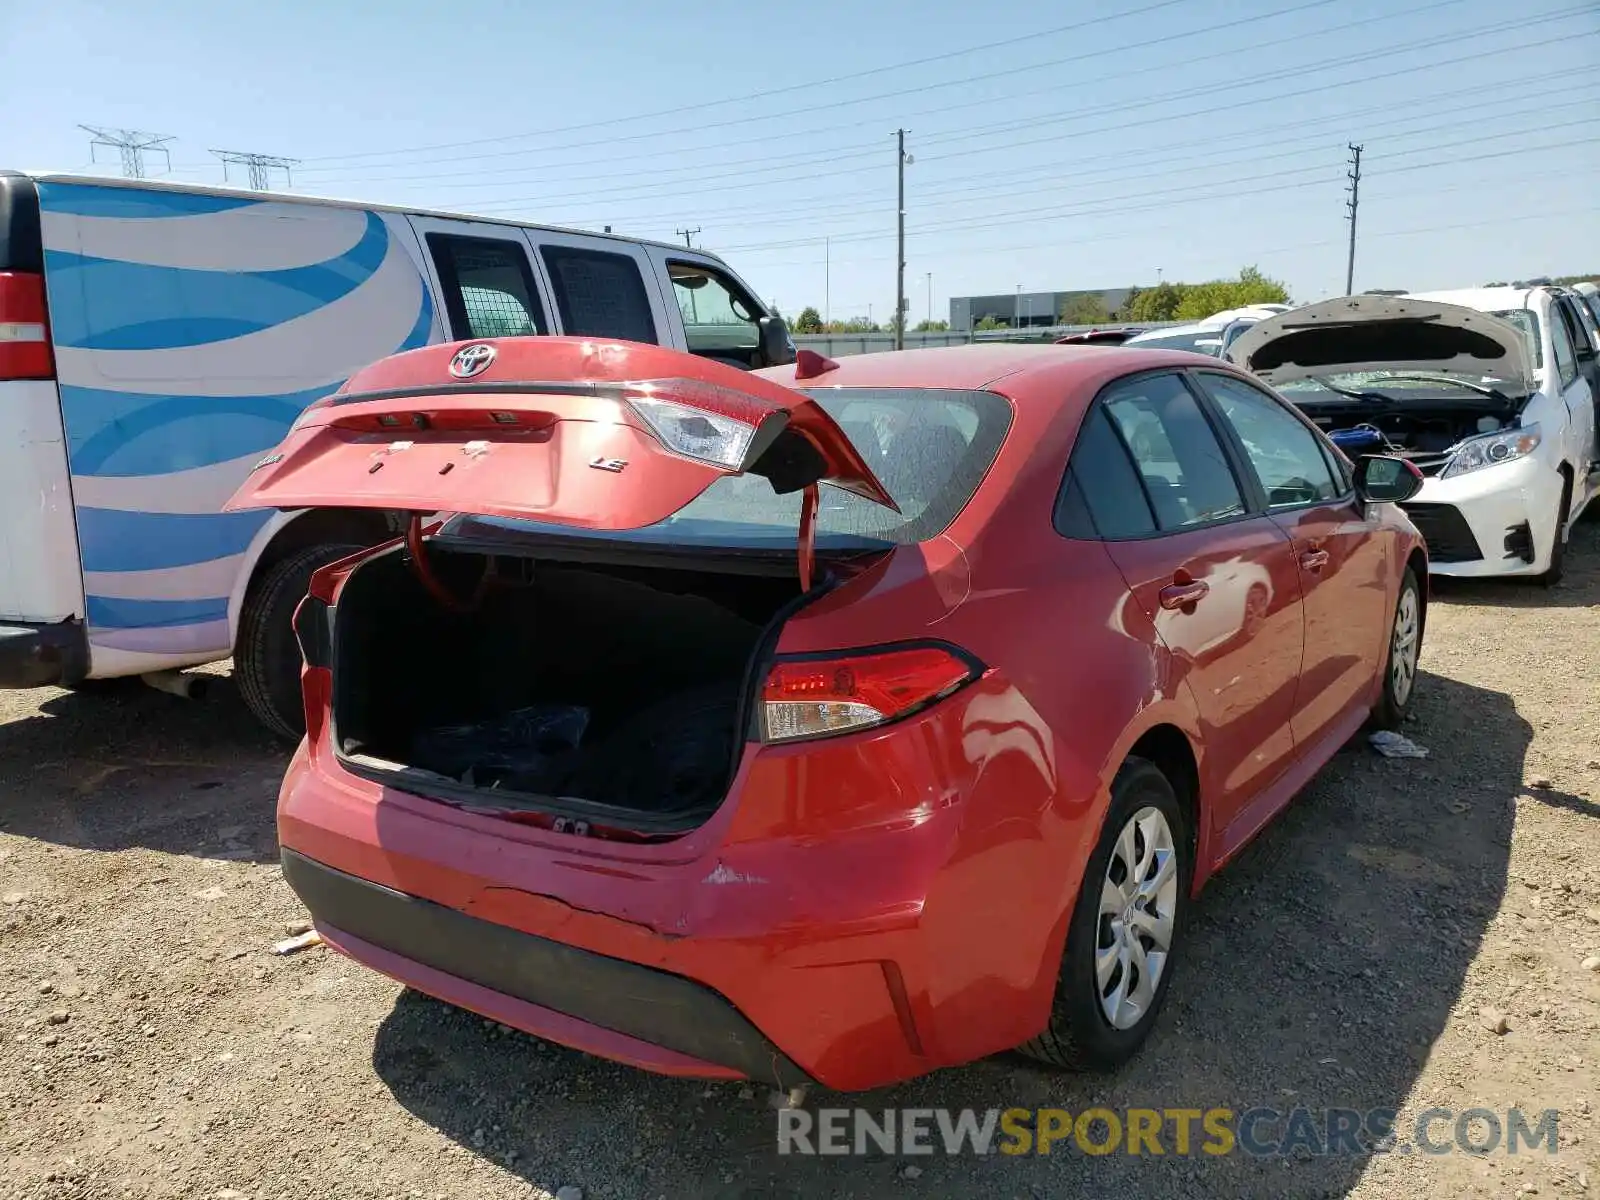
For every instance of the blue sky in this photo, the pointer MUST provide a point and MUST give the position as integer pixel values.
(1056, 146)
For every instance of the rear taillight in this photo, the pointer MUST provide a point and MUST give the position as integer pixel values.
(24, 333)
(815, 697)
(699, 420)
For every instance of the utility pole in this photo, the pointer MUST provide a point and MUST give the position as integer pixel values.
(900, 243)
(1016, 309)
(131, 143)
(827, 281)
(259, 167)
(688, 236)
(930, 297)
(1351, 204)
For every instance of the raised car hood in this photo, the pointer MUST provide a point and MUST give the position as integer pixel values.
(1384, 333)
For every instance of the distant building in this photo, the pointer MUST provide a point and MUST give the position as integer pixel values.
(1027, 308)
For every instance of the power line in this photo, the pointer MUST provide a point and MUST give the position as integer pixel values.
(809, 111)
(1183, 195)
(131, 144)
(1048, 177)
(646, 191)
(768, 92)
(260, 167)
(1352, 204)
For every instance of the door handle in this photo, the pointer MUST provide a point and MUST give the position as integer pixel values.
(1182, 595)
(1314, 560)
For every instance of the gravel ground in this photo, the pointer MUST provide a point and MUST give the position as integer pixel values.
(150, 1046)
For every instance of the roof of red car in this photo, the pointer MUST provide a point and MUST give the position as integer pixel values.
(981, 365)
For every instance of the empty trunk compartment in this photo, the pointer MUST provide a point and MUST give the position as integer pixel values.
(615, 693)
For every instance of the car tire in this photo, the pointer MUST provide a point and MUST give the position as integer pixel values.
(266, 656)
(1405, 648)
(1081, 1034)
(1557, 567)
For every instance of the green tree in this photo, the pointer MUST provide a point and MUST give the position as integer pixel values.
(809, 321)
(1159, 303)
(991, 322)
(1085, 308)
(1200, 300)
(932, 326)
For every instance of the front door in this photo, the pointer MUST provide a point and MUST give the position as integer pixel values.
(1218, 581)
(1343, 574)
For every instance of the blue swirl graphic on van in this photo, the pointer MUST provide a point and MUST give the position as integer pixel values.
(190, 331)
(101, 304)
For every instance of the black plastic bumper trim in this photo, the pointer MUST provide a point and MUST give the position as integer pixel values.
(641, 1002)
(41, 655)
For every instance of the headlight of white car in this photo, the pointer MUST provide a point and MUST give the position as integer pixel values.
(1491, 449)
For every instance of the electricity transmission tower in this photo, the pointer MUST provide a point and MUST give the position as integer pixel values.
(131, 143)
(259, 166)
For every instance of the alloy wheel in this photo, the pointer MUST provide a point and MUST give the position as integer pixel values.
(1138, 907)
(1403, 648)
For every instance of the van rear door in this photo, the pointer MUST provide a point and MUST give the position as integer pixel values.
(41, 586)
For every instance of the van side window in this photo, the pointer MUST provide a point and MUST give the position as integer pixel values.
(488, 287)
(599, 294)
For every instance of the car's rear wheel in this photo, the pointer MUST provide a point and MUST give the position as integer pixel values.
(1405, 645)
(1125, 928)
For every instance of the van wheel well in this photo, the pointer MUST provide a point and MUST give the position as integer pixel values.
(323, 527)
(1168, 748)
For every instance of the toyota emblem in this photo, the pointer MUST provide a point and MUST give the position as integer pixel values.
(471, 360)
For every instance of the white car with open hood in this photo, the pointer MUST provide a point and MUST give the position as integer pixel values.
(1488, 392)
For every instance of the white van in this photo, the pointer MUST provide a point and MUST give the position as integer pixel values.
(157, 339)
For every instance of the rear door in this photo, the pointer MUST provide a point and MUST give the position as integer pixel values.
(1218, 580)
(564, 430)
(1343, 574)
(486, 279)
(605, 288)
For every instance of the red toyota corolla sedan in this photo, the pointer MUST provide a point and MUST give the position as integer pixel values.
(836, 722)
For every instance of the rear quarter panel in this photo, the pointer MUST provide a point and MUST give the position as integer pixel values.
(190, 331)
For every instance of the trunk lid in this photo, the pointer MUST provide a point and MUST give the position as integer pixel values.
(1355, 334)
(571, 431)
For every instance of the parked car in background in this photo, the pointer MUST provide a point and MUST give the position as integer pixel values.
(1488, 391)
(1211, 336)
(1099, 337)
(732, 728)
(1590, 295)
(157, 339)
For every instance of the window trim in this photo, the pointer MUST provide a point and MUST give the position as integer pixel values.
(455, 304)
(1224, 440)
(557, 290)
(1343, 479)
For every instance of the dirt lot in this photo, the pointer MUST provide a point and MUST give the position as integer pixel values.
(149, 1046)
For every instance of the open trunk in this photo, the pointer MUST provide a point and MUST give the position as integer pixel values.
(616, 694)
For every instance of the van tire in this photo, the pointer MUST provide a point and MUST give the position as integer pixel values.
(1557, 568)
(266, 656)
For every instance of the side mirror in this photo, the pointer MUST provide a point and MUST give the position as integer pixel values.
(1384, 480)
(777, 347)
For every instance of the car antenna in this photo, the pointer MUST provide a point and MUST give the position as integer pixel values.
(808, 364)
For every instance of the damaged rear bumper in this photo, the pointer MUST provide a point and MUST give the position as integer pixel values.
(606, 1006)
(778, 959)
